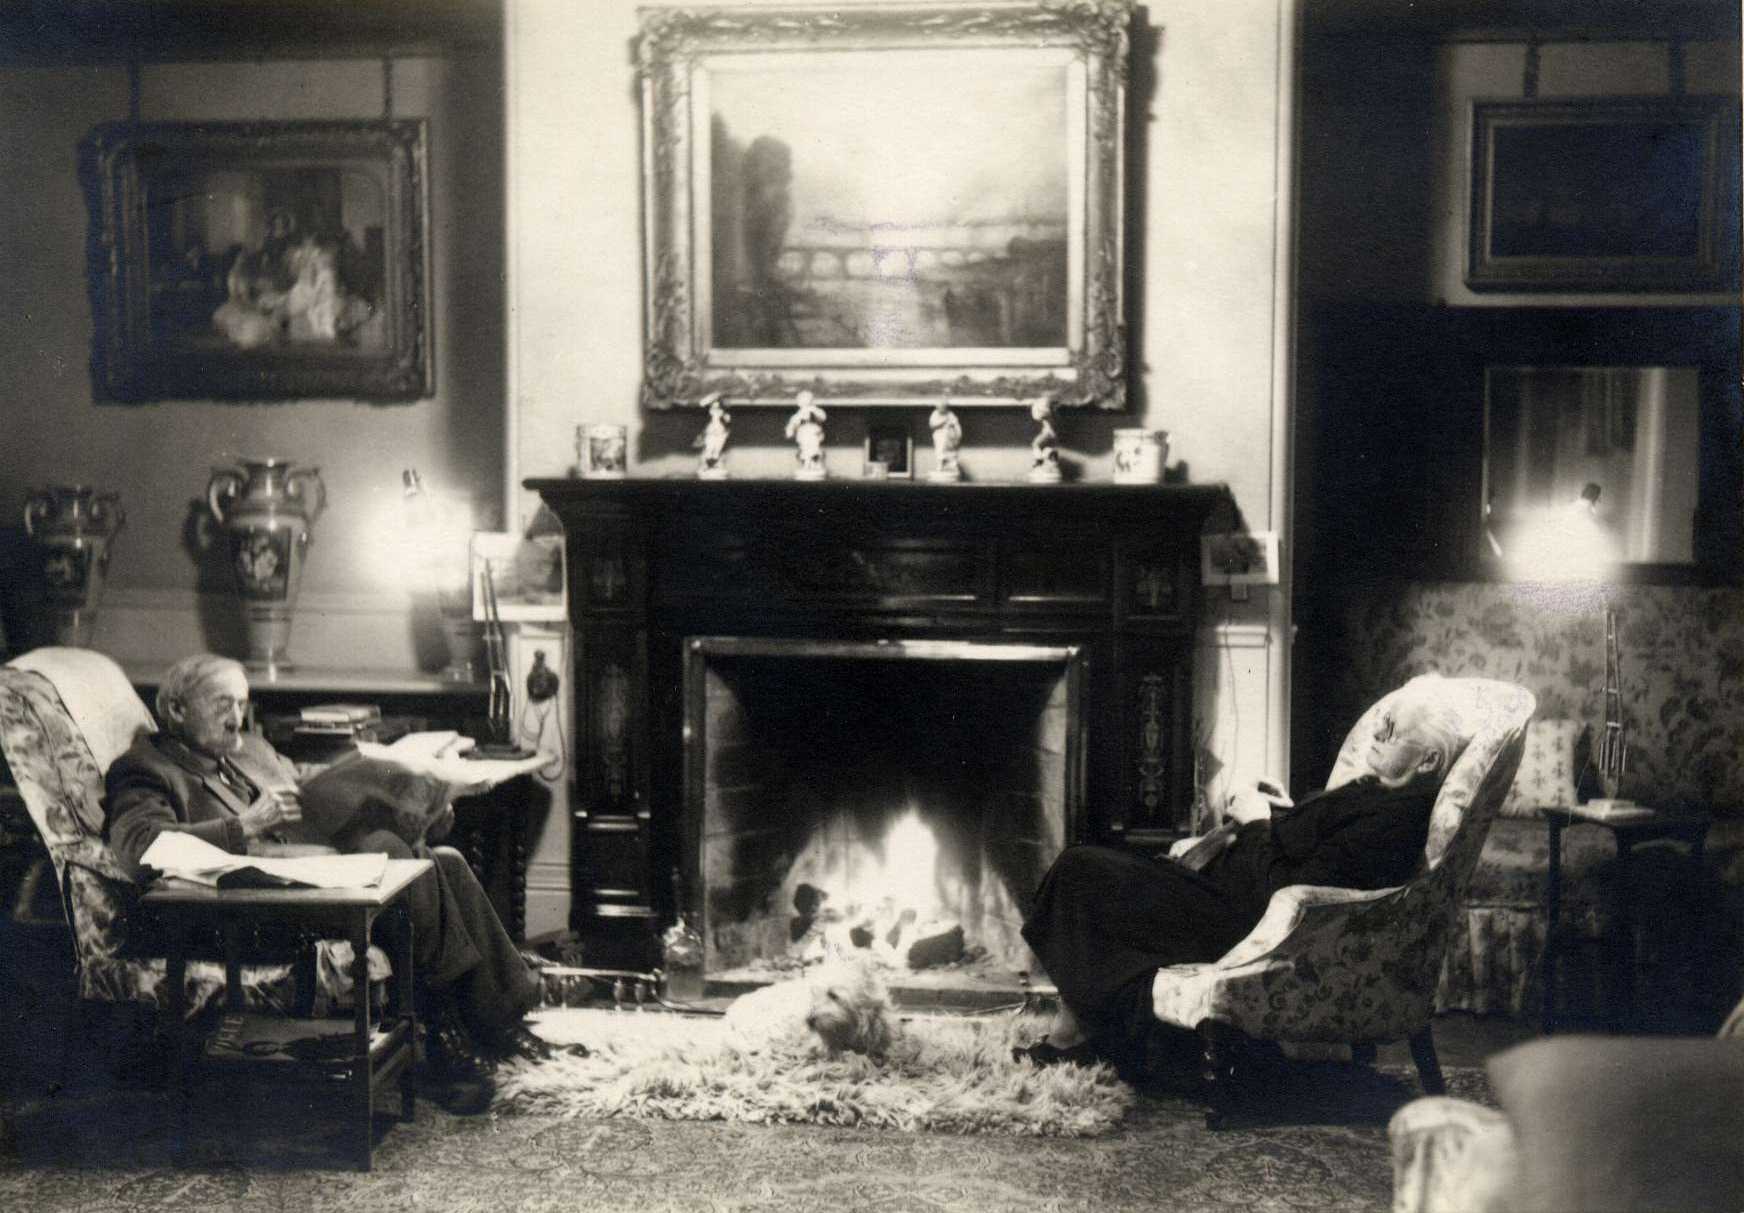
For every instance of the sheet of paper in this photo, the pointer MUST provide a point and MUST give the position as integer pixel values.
(182, 855)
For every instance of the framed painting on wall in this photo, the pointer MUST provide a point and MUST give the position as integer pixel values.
(1604, 194)
(259, 260)
(885, 205)
(525, 575)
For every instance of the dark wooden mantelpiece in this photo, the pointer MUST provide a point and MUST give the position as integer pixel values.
(1112, 568)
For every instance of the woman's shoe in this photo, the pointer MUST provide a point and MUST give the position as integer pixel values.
(1045, 1053)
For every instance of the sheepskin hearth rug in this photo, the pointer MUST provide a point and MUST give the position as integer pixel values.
(943, 1074)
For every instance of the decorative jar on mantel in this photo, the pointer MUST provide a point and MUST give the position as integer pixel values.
(73, 526)
(267, 509)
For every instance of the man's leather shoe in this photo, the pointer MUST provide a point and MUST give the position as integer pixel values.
(461, 1080)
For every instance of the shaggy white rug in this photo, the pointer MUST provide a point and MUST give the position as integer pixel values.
(945, 1074)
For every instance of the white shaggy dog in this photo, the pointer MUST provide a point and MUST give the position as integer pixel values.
(842, 1003)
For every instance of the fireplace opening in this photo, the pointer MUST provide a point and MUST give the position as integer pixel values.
(894, 800)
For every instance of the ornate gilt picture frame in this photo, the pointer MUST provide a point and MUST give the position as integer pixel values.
(885, 206)
(259, 260)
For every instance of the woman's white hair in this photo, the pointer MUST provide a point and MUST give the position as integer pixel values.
(1433, 724)
(186, 676)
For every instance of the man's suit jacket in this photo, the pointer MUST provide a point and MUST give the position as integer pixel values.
(160, 784)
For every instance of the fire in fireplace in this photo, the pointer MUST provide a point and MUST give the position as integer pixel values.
(896, 799)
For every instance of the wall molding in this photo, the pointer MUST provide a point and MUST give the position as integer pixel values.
(385, 630)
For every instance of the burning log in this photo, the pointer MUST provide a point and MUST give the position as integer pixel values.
(935, 943)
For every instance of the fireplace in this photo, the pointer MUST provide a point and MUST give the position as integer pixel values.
(894, 800)
(782, 684)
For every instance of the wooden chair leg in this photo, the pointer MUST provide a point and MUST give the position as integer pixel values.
(72, 1031)
(1428, 1068)
(1220, 1049)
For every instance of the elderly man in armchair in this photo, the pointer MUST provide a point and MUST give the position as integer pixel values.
(204, 775)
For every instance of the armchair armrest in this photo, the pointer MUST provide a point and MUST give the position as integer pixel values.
(1296, 910)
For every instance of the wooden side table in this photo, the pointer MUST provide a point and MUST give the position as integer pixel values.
(1630, 832)
(376, 1057)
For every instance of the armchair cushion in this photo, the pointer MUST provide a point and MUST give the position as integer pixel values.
(1547, 769)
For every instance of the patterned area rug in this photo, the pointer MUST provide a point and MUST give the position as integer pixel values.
(131, 1151)
(942, 1074)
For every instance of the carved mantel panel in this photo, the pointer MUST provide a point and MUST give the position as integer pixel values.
(1110, 568)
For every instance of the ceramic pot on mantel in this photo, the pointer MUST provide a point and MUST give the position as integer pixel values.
(266, 508)
(73, 526)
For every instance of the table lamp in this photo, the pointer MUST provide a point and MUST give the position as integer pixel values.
(1570, 543)
(439, 526)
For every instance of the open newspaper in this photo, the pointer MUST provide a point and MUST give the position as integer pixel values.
(184, 857)
(446, 756)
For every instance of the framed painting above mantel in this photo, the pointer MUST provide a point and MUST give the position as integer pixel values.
(1604, 194)
(885, 205)
(259, 260)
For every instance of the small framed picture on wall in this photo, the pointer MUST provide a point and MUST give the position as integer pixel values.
(889, 452)
(525, 574)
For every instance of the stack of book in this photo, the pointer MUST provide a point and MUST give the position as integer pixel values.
(332, 727)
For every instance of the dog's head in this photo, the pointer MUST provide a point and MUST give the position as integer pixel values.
(850, 1008)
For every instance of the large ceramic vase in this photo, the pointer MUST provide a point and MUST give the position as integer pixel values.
(267, 508)
(73, 526)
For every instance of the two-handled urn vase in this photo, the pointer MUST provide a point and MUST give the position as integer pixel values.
(72, 526)
(266, 508)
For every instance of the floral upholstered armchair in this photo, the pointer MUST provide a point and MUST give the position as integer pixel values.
(1359, 967)
(65, 715)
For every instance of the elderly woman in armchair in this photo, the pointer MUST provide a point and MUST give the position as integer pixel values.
(1106, 920)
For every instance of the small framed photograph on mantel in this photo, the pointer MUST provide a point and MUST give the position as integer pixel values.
(889, 453)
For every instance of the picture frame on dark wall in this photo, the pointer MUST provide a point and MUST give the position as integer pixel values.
(1604, 194)
(259, 260)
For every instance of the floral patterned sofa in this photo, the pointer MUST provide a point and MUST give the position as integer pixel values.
(1494, 958)
(65, 714)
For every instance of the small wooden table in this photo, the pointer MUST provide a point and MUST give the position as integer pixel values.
(377, 1057)
(1630, 832)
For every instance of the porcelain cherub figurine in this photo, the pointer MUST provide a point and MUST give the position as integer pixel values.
(712, 464)
(1044, 458)
(947, 439)
(806, 428)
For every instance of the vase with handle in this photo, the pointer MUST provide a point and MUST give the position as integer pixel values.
(267, 510)
(73, 526)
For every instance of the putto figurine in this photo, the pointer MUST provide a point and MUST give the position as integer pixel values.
(947, 439)
(1044, 448)
(712, 464)
(806, 428)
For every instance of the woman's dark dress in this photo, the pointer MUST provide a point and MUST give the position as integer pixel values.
(1106, 920)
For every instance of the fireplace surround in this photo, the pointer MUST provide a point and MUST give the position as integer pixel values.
(873, 626)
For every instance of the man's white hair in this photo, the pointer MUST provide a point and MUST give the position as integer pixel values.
(186, 677)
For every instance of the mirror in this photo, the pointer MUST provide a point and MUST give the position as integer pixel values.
(1589, 467)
